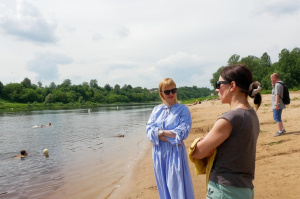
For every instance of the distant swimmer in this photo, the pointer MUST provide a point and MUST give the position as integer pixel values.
(41, 126)
(23, 154)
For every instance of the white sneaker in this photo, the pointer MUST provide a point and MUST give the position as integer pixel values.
(279, 133)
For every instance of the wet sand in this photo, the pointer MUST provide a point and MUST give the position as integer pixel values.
(277, 160)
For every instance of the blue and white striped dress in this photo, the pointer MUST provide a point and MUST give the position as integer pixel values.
(170, 162)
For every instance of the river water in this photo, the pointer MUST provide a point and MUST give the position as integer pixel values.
(81, 143)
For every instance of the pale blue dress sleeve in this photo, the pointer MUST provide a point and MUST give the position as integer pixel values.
(183, 129)
(171, 169)
(152, 128)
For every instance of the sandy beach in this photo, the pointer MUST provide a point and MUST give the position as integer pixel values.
(277, 159)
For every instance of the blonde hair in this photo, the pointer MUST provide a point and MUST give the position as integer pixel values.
(165, 83)
(275, 75)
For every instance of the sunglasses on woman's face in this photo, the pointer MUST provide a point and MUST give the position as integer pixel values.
(218, 83)
(167, 92)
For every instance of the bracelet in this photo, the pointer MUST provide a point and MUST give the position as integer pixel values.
(160, 132)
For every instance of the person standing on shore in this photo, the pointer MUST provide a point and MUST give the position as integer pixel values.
(277, 104)
(170, 124)
(234, 135)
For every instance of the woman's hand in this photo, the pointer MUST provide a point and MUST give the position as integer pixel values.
(162, 138)
(197, 152)
(169, 134)
(216, 136)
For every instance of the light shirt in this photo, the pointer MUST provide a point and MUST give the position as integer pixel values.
(277, 89)
(170, 162)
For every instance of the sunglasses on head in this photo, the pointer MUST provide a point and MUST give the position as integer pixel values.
(218, 83)
(167, 92)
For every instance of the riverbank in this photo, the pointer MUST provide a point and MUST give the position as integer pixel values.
(277, 159)
(6, 106)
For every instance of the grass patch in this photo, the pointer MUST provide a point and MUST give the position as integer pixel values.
(273, 143)
(6, 106)
(261, 131)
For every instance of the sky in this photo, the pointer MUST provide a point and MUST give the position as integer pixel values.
(139, 42)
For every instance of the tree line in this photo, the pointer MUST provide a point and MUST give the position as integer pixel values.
(26, 92)
(287, 67)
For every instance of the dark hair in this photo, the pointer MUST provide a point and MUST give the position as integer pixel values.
(242, 76)
(23, 152)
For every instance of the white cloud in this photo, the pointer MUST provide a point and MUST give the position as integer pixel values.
(45, 65)
(122, 32)
(97, 37)
(279, 7)
(139, 42)
(184, 69)
(28, 24)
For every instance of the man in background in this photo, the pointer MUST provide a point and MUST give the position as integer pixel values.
(277, 104)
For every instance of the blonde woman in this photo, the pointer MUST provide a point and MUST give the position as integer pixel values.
(170, 124)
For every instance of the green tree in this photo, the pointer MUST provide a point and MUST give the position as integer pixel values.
(85, 84)
(117, 89)
(265, 68)
(234, 59)
(40, 84)
(30, 95)
(12, 91)
(216, 76)
(26, 83)
(60, 96)
(49, 98)
(94, 83)
(107, 87)
(71, 96)
(288, 68)
(98, 97)
(252, 62)
(66, 83)
(52, 86)
(1, 88)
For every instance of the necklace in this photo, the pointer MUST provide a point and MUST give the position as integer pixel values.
(236, 106)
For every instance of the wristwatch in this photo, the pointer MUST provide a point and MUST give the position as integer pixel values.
(160, 132)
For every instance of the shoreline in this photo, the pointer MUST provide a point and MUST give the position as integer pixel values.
(7, 107)
(276, 158)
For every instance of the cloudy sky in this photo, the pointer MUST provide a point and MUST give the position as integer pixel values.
(138, 42)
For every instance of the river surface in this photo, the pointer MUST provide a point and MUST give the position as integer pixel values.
(80, 142)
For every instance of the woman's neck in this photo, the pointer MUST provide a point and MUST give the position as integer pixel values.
(240, 102)
(170, 104)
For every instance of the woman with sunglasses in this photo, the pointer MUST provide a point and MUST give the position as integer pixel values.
(234, 135)
(170, 124)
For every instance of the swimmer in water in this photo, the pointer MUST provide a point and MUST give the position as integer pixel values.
(41, 126)
(23, 154)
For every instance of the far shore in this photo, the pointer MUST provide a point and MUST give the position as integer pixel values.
(15, 107)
